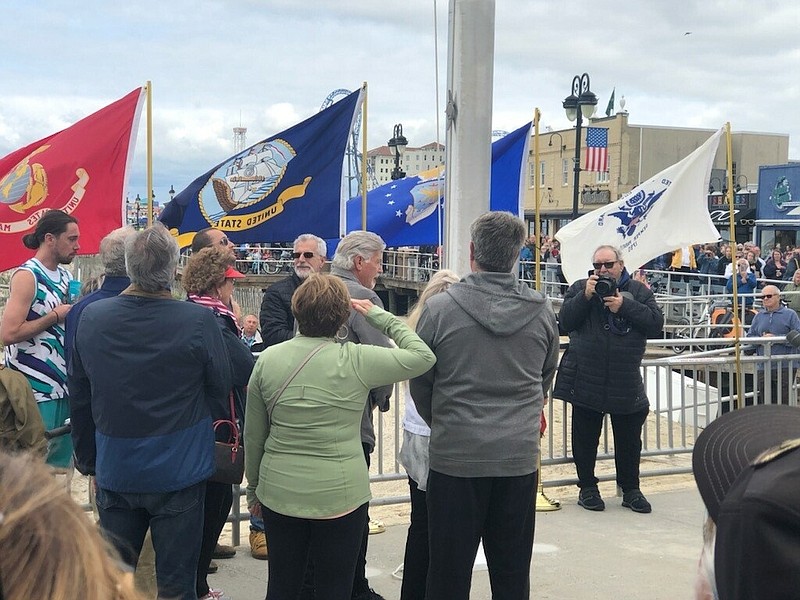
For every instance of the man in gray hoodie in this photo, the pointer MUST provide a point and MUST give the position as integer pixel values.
(496, 346)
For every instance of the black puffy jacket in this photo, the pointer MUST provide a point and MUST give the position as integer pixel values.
(600, 370)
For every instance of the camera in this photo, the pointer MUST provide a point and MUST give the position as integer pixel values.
(605, 286)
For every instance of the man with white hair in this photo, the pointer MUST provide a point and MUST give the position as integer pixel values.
(148, 374)
(276, 318)
(115, 279)
(775, 319)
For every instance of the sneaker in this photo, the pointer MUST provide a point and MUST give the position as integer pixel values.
(258, 545)
(215, 595)
(635, 500)
(376, 527)
(370, 594)
(590, 499)
(212, 567)
(221, 551)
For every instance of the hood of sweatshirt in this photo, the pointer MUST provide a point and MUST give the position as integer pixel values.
(498, 301)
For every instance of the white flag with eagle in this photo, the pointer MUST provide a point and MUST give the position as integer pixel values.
(666, 212)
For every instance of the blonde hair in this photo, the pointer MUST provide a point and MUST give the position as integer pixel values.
(50, 548)
(440, 281)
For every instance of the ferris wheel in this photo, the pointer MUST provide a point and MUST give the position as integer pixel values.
(351, 178)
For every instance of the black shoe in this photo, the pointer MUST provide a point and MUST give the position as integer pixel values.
(212, 567)
(635, 500)
(590, 499)
(370, 594)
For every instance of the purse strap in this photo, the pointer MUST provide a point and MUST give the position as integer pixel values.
(276, 395)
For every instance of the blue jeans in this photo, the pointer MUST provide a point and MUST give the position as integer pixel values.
(176, 522)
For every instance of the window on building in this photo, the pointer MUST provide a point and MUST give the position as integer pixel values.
(531, 175)
(541, 174)
(564, 171)
(602, 177)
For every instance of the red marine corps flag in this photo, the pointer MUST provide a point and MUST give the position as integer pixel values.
(80, 170)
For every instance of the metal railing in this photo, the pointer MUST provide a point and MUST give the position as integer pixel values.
(686, 392)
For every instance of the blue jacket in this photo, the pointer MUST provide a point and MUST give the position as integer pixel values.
(147, 375)
(111, 286)
(777, 322)
(743, 288)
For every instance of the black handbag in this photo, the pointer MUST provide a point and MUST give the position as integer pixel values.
(229, 456)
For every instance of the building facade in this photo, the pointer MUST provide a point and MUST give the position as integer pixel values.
(413, 161)
(636, 153)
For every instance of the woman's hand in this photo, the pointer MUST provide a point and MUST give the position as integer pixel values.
(361, 306)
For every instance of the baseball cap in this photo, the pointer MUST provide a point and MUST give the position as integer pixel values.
(733, 442)
(231, 273)
(747, 467)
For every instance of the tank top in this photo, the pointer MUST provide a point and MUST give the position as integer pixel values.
(41, 358)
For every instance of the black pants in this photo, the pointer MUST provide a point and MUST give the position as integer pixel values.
(464, 510)
(586, 428)
(415, 560)
(779, 381)
(360, 582)
(219, 498)
(332, 546)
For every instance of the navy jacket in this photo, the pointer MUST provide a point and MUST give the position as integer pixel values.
(147, 374)
(600, 370)
(275, 317)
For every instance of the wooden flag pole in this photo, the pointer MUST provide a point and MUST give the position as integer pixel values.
(149, 86)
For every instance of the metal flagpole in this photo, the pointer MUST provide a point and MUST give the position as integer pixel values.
(149, 153)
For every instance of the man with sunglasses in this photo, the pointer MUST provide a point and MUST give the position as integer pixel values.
(599, 374)
(775, 319)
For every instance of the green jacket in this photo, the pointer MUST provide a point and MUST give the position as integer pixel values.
(21, 426)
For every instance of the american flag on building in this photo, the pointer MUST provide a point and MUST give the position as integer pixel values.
(596, 149)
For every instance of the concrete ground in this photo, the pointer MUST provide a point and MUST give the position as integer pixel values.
(578, 554)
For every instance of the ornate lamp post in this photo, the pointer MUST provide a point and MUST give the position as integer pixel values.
(397, 145)
(137, 205)
(579, 104)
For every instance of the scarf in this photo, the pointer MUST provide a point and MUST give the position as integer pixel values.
(219, 308)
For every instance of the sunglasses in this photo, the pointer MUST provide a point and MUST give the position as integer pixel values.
(306, 255)
(768, 295)
(608, 265)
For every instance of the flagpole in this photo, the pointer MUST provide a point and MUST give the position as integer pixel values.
(149, 87)
(737, 325)
(364, 159)
(537, 231)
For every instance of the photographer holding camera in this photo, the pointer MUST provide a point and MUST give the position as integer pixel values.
(608, 317)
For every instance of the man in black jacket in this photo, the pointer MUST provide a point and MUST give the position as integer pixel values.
(608, 317)
(276, 319)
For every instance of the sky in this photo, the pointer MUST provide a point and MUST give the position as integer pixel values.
(268, 64)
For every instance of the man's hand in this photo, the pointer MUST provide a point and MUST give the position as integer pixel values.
(590, 284)
(255, 510)
(613, 303)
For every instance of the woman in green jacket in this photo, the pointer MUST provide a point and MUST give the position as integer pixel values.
(303, 457)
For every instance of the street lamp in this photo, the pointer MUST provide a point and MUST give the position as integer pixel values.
(397, 146)
(578, 105)
(561, 145)
(137, 205)
(171, 192)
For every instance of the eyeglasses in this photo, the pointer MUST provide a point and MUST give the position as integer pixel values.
(608, 265)
(306, 255)
(768, 295)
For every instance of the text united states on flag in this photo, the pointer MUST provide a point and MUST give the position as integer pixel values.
(596, 149)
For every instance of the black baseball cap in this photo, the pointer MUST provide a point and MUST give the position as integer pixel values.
(747, 467)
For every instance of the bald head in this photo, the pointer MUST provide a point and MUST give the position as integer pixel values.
(771, 298)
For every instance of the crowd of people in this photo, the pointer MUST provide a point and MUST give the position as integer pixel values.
(154, 386)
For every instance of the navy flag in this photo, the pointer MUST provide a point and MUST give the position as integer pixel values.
(410, 211)
(275, 190)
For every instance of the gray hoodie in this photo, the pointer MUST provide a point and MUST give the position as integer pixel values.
(496, 346)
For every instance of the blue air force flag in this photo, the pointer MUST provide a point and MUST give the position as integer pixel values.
(666, 212)
(275, 190)
(410, 211)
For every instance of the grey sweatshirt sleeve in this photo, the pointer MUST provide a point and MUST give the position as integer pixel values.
(422, 387)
